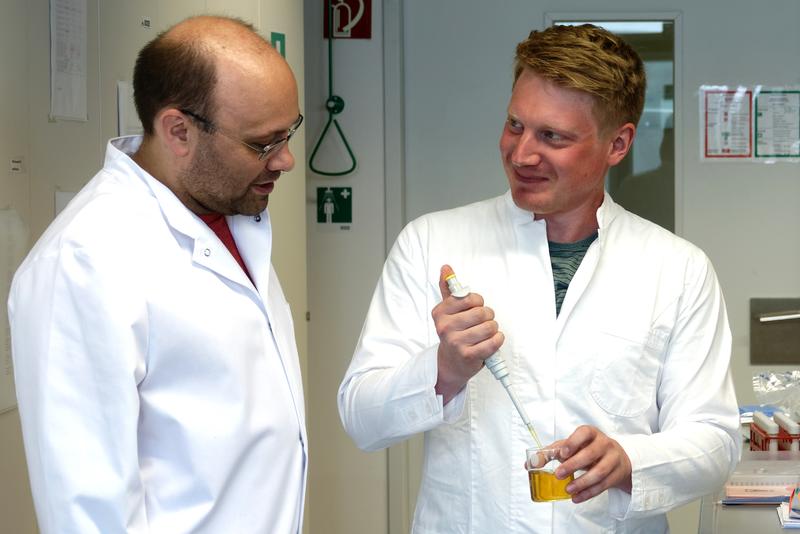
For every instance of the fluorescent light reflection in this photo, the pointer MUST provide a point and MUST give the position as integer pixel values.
(621, 28)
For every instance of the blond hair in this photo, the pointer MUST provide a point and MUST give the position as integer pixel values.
(591, 60)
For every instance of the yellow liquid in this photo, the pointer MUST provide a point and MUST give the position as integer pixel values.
(546, 487)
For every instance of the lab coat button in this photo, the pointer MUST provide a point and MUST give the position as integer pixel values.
(258, 218)
(207, 252)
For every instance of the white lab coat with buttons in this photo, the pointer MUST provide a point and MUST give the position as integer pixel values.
(640, 350)
(159, 388)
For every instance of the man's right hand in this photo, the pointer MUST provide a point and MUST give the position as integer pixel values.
(468, 334)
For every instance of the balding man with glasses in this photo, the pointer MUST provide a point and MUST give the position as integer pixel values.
(157, 373)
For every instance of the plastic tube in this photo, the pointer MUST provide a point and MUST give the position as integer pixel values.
(495, 363)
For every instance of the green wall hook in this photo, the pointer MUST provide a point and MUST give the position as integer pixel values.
(334, 104)
(353, 162)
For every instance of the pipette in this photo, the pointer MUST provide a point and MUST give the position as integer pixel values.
(495, 363)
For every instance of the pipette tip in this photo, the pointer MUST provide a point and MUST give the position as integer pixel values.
(534, 436)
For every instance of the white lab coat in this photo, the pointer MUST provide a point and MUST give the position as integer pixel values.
(640, 350)
(159, 390)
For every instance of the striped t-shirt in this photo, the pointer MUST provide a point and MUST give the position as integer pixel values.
(565, 259)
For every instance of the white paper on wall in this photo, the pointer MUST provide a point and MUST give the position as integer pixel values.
(127, 119)
(777, 123)
(727, 122)
(750, 123)
(68, 71)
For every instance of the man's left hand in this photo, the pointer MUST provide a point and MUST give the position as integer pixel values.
(604, 460)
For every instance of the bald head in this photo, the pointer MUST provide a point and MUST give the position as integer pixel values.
(185, 66)
(220, 35)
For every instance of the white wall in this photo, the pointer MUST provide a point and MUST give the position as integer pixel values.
(456, 61)
(64, 155)
(16, 506)
(746, 216)
(347, 488)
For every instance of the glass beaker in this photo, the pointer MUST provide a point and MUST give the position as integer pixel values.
(545, 486)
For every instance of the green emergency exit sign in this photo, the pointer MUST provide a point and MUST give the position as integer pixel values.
(335, 205)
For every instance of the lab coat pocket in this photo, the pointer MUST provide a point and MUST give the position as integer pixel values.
(626, 372)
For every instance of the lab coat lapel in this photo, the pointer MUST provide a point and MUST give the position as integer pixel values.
(212, 254)
(606, 213)
(254, 238)
(207, 249)
(578, 284)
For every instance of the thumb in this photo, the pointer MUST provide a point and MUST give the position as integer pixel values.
(445, 272)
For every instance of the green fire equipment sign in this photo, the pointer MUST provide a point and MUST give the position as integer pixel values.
(335, 205)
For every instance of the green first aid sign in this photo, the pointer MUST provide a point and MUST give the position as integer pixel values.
(335, 205)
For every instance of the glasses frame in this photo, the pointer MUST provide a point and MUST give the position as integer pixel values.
(263, 151)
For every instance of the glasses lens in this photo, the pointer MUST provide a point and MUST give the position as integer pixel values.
(274, 147)
(277, 145)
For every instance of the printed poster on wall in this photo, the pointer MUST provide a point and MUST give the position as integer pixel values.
(727, 122)
(68, 65)
(755, 124)
(777, 124)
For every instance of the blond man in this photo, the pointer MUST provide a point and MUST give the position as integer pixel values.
(614, 330)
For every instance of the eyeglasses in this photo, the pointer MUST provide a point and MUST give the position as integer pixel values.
(263, 151)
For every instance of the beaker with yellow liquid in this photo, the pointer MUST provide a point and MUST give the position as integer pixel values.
(545, 486)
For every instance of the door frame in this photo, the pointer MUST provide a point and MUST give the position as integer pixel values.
(675, 17)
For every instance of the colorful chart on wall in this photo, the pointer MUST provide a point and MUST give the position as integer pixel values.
(755, 124)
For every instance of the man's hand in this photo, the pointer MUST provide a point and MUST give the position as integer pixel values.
(605, 462)
(468, 334)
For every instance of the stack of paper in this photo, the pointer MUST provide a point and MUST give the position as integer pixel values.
(786, 517)
(760, 479)
(757, 493)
